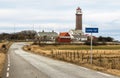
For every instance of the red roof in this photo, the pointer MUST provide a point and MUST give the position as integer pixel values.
(64, 34)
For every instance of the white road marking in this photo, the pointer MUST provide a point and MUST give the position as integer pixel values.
(104, 74)
(8, 56)
(8, 69)
(7, 74)
(84, 68)
(8, 59)
(8, 65)
(8, 62)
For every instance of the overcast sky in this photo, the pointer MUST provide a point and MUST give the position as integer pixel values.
(59, 15)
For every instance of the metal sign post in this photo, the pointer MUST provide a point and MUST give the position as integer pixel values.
(91, 48)
(91, 30)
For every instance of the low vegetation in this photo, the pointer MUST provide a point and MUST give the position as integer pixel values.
(77, 47)
(18, 36)
(105, 58)
(2, 61)
(3, 50)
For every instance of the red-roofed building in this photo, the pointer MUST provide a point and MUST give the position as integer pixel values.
(64, 37)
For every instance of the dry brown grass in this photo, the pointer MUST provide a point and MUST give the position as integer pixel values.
(3, 54)
(113, 71)
(104, 59)
(47, 50)
(2, 61)
(2, 58)
(37, 50)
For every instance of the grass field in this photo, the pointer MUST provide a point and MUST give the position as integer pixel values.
(105, 58)
(79, 47)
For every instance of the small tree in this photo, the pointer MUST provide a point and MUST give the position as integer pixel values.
(4, 46)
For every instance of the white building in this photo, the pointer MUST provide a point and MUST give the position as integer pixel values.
(47, 36)
(77, 35)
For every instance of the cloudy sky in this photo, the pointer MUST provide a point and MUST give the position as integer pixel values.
(59, 15)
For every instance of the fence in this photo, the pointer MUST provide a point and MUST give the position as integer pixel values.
(104, 58)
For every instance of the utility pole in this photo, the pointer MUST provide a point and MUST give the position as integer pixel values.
(33, 32)
(14, 33)
(33, 27)
(14, 29)
(39, 28)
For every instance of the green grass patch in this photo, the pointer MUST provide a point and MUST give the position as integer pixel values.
(80, 47)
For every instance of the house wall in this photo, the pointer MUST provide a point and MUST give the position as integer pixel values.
(66, 40)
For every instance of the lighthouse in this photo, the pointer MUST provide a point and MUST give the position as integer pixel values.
(78, 19)
(77, 34)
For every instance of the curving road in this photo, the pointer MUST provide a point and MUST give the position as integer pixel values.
(22, 64)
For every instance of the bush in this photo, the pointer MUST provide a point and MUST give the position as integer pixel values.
(4, 46)
(89, 43)
(29, 49)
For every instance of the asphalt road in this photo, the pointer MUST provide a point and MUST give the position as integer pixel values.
(22, 64)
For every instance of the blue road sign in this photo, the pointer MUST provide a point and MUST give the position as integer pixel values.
(91, 30)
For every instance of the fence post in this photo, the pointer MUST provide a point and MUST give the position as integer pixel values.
(52, 51)
(71, 56)
(82, 56)
(100, 60)
(88, 59)
(74, 55)
(78, 56)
